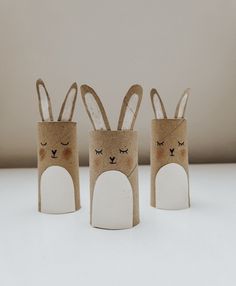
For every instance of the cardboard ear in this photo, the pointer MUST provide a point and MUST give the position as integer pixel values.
(45, 107)
(94, 108)
(68, 105)
(157, 105)
(181, 107)
(130, 107)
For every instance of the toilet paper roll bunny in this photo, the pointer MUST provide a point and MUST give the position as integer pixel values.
(169, 156)
(113, 161)
(58, 166)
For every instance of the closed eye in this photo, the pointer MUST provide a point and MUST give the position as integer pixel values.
(43, 144)
(124, 151)
(64, 144)
(160, 143)
(181, 143)
(98, 152)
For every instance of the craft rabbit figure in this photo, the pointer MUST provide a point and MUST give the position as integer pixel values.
(113, 161)
(169, 156)
(58, 169)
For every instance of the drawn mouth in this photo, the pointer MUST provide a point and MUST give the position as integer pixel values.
(54, 157)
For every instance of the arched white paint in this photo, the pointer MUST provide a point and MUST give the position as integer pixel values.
(57, 191)
(112, 205)
(172, 187)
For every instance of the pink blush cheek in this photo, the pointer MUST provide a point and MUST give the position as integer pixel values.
(97, 162)
(42, 154)
(160, 154)
(129, 161)
(67, 153)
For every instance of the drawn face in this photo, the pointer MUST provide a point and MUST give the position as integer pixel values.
(113, 150)
(169, 140)
(56, 142)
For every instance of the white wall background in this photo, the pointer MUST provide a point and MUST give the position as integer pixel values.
(110, 45)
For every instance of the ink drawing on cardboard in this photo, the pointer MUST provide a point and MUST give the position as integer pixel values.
(113, 161)
(169, 156)
(58, 171)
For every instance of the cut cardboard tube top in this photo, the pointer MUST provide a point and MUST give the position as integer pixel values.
(114, 151)
(57, 146)
(169, 146)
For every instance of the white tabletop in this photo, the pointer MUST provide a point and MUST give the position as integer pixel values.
(190, 247)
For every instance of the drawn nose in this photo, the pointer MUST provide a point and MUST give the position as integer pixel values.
(172, 152)
(54, 152)
(112, 159)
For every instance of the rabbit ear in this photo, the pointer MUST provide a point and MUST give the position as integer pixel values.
(45, 107)
(157, 104)
(130, 107)
(68, 105)
(181, 107)
(94, 108)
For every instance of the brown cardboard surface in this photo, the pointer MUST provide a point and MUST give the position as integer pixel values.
(54, 134)
(58, 136)
(130, 108)
(111, 142)
(167, 134)
(169, 142)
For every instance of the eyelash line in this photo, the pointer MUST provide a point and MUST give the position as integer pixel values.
(124, 151)
(65, 144)
(181, 143)
(43, 144)
(160, 143)
(98, 152)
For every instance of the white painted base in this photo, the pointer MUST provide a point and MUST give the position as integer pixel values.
(172, 188)
(57, 191)
(112, 205)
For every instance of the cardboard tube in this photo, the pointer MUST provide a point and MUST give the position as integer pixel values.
(169, 164)
(113, 160)
(58, 167)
